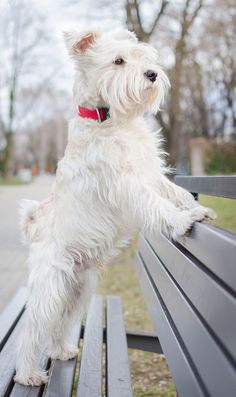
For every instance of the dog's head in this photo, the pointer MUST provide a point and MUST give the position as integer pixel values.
(117, 71)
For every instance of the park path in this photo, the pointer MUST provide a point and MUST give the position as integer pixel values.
(13, 266)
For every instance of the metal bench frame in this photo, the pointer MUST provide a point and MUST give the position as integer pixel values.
(190, 290)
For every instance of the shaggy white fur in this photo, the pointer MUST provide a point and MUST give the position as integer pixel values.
(110, 182)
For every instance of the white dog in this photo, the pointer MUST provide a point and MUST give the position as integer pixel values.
(109, 183)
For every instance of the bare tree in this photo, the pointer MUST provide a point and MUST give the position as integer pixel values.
(196, 41)
(135, 21)
(194, 113)
(220, 68)
(22, 37)
(174, 130)
(185, 17)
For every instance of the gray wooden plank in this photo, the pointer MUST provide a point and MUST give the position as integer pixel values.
(11, 314)
(187, 381)
(7, 359)
(118, 372)
(26, 391)
(215, 304)
(90, 376)
(214, 247)
(217, 372)
(223, 186)
(30, 391)
(62, 372)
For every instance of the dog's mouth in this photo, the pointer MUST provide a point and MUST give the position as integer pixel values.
(150, 85)
(151, 88)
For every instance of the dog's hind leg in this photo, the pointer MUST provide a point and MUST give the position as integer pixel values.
(79, 291)
(58, 348)
(57, 291)
(44, 312)
(28, 371)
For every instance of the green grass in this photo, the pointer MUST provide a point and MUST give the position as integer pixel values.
(150, 374)
(120, 279)
(12, 181)
(225, 210)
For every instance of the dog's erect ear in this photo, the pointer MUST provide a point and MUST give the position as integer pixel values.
(77, 43)
(127, 35)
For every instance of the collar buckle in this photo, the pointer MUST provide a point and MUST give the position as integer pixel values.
(98, 114)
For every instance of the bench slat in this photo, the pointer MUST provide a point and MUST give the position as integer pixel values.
(26, 391)
(118, 373)
(90, 376)
(223, 186)
(7, 360)
(186, 378)
(203, 291)
(29, 391)
(210, 244)
(220, 377)
(11, 314)
(62, 372)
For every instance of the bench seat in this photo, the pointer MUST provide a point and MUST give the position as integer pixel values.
(63, 376)
(99, 369)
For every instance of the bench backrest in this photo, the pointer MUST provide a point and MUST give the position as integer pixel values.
(190, 290)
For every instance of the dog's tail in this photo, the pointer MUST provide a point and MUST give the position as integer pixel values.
(27, 219)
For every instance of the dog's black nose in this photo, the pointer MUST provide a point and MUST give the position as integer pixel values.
(151, 75)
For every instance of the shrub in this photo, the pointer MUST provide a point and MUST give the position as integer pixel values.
(221, 158)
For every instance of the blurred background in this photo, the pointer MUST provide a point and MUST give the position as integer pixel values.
(196, 43)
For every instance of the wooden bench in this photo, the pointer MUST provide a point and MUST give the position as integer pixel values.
(104, 326)
(190, 290)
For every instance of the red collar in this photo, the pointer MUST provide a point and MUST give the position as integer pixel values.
(99, 114)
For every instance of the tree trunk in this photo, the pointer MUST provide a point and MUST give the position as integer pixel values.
(177, 138)
(7, 155)
(175, 110)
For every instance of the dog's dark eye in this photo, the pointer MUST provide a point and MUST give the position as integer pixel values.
(119, 61)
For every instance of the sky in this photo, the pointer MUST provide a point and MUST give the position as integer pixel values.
(65, 15)
(72, 14)
(51, 55)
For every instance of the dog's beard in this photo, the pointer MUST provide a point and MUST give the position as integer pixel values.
(131, 95)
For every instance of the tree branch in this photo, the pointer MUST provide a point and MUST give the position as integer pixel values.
(160, 13)
(137, 4)
(188, 20)
(195, 14)
(2, 126)
(36, 95)
(135, 20)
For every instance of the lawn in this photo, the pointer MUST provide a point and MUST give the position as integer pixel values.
(11, 181)
(225, 209)
(150, 375)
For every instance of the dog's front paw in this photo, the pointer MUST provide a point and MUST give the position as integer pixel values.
(66, 353)
(201, 213)
(185, 220)
(34, 378)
